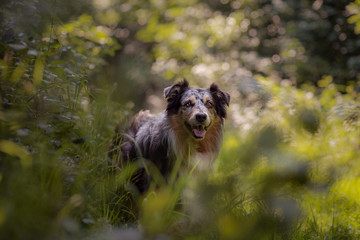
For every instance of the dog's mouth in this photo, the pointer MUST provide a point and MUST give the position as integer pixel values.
(197, 131)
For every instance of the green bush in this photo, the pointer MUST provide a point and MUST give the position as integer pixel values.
(72, 73)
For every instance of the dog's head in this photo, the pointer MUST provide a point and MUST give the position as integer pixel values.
(196, 108)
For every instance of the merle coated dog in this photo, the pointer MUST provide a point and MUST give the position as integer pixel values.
(190, 127)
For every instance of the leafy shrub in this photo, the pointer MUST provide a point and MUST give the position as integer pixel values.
(288, 166)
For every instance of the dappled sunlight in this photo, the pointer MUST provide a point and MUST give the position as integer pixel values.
(72, 75)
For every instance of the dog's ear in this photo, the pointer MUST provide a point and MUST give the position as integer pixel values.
(221, 99)
(175, 90)
(173, 95)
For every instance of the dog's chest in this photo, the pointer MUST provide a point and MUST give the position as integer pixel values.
(200, 162)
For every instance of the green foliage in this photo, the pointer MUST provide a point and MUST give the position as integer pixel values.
(71, 72)
(354, 9)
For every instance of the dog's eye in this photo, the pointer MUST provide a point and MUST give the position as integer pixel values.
(188, 104)
(209, 104)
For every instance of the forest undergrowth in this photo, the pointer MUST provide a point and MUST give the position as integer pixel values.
(289, 164)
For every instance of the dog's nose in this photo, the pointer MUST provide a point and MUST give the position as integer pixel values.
(201, 117)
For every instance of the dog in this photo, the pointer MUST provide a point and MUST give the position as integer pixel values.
(190, 127)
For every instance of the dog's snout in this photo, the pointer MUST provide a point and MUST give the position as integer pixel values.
(201, 117)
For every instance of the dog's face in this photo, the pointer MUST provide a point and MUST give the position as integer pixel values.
(196, 108)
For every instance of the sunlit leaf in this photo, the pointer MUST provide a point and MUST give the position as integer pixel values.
(13, 149)
(39, 70)
(19, 72)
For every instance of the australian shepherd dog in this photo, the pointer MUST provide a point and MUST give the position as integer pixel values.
(191, 127)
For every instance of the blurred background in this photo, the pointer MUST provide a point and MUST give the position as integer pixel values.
(72, 71)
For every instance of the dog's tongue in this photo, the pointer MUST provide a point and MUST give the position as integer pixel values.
(199, 132)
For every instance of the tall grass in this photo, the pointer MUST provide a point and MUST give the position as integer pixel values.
(287, 172)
